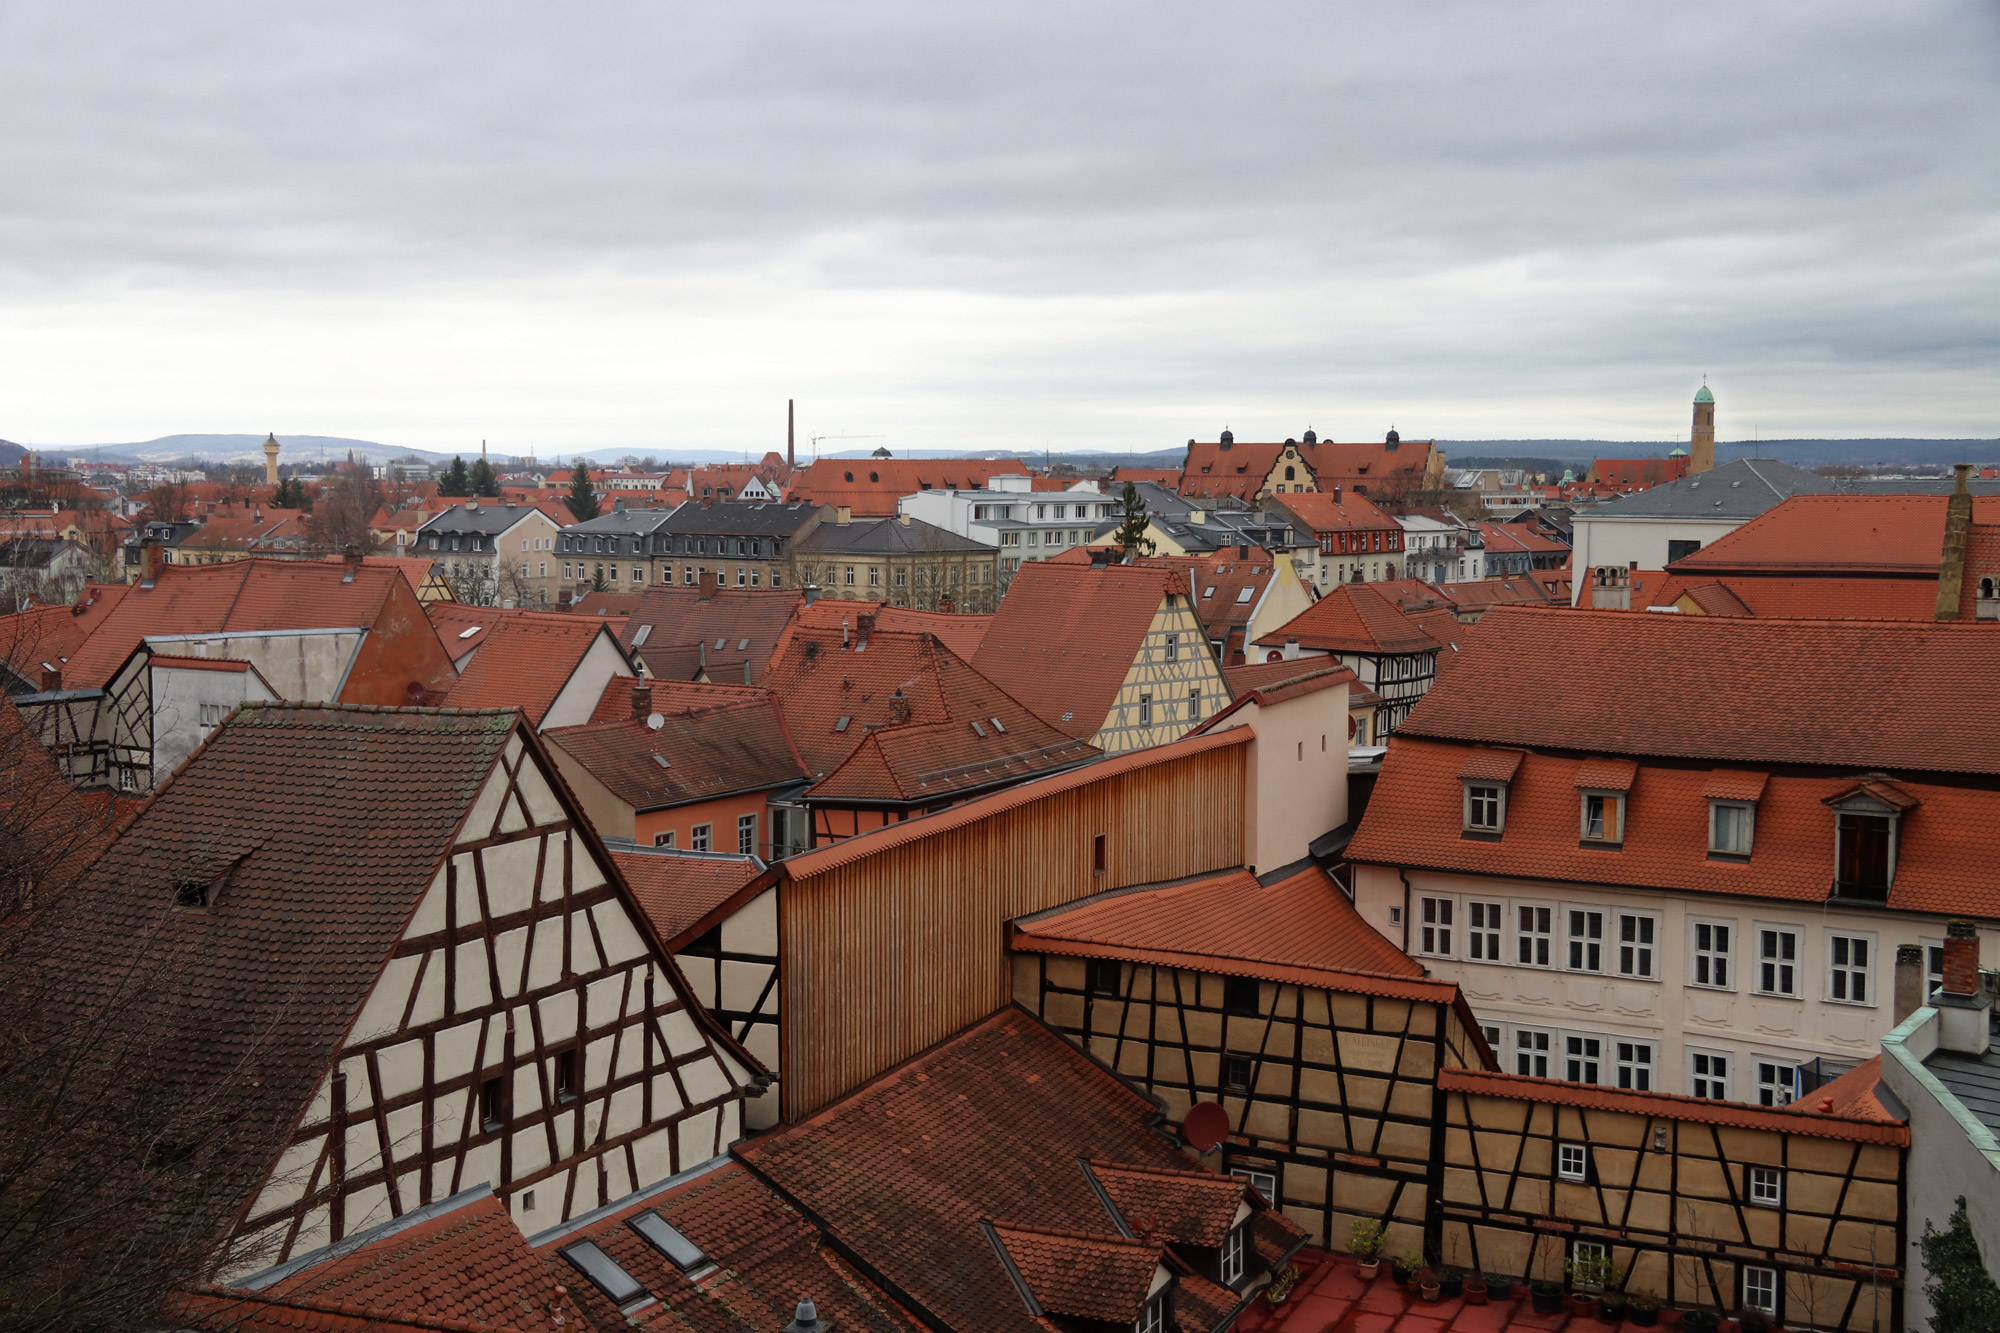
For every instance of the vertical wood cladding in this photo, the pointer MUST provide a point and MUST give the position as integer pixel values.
(1670, 1199)
(889, 953)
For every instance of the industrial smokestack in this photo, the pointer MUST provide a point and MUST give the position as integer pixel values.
(791, 454)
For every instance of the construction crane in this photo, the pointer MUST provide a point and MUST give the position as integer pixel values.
(815, 439)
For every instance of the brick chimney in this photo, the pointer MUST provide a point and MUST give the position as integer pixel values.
(642, 698)
(149, 563)
(1964, 1008)
(51, 678)
(1957, 527)
(353, 562)
(705, 585)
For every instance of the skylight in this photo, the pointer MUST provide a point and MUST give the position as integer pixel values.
(978, 730)
(1208, 592)
(1243, 595)
(662, 1236)
(742, 645)
(640, 635)
(997, 725)
(661, 760)
(842, 724)
(721, 643)
(603, 1271)
(468, 633)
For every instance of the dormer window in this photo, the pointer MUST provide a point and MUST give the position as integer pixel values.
(1602, 785)
(1153, 1319)
(1731, 827)
(1867, 828)
(1230, 1264)
(1485, 777)
(1603, 817)
(1485, 807)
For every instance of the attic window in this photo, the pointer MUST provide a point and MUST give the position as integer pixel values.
(664, 1237)
(468, 633)
(191, 890)
(978, 730)
(639, 636)
(997, 725)
(721, 643)
(1208, 592)
(743, 645)
(603, 1272)
(1243, 595)
(841, 725)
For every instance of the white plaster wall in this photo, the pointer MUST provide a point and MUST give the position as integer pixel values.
(578, 698)
(1298, 774)
(1604, 540)
(302, 668)
(178, 695)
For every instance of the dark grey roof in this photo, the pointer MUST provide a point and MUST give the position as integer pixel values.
(888, 536)
(741, 518)
(485, 520)
(1741, 489)
(1974, 1080)
(621, 523)
(32, 552)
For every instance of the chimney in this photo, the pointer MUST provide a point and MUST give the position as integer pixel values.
(791, 455)
(1910, 995)
(1964, 1008)
(642, 698)
(812, 593)
(353, 561)
(1198, 516)
(51, 678)
(864, 626)
(946, 605)
(1957, 526)
(617, 506)
(843, 515)
(903, 519)
(705, 585)
(1243, 552)
(1336, 495)
(149, 563)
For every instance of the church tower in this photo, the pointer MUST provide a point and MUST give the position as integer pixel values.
(1701, 451)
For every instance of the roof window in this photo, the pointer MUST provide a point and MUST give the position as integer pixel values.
(640, 635)
(603, 1271)
(997, 725)
(1243, 595)
(664, 1237)
(1208, 592)
(841, 725)
(743, 645)
(978, 730)
(661, 760)
(468, 633)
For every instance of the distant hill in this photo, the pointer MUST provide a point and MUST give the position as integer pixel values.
(10, 452)
(1802, 453)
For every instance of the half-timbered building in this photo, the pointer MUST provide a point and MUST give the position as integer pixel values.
(1362, 629)
(402, 963)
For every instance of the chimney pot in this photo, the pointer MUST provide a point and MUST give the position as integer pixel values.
(642, 698)
(1961, 959)
(1909, 981)
(1964, 1009)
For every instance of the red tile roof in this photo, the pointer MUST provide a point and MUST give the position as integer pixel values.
(958, 632)
(1852, 1096)
(416, 569)
(1078, 1276)
(1410, 595)
(1490, 766)
(1239, 469)
(1844, 693)
(1606, 775)
(1168, 477)
(1230, 923)
(1799, 1118)
(888, 716)
(525, 661)
(1637, 474)
(1804, 596)
(612, 605)
(1726, 784)
(1322, 512)
(668, 696)
(53, 634)
(766, 1254)
(1262, 677)
(680, 632)
(1838, 533)
(719, 750)
(990, 1125)
(1066, 636)
(1352, 618)
(1184, 1204)
(679, 889)
(1947, 844)
(871, 486)
(1478, 594)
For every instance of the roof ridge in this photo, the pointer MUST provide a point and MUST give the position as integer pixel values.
(332, 706)
(1061, 1233)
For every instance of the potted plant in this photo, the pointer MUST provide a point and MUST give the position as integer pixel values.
(1642, 1307)
(1475, 1289)
(1426, 1283)
(1611, 1305)
(1451, 1281)
(1366, 1247)
(1500, 1286)
(1404, 1264)
(1700, 1321)
(1754, 1321)
(1588, 1275)
(1547, 1297)
(1281, 1285)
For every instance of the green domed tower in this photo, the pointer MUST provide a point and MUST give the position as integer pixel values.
(1701, 454)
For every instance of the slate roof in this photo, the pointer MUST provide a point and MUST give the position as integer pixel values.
(735, 518)
(989, 1125)
(898, 717)
(709, 752)
(678, 889)
(1066, 635)
(1974, 1080)
(1352, 618)
(621, 520)
(1852, 694)
(486, 519)
(725, 628)
(1740, 489)
(524, 662)
(890, 536)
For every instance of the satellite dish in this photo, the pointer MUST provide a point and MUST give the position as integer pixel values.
(1205, 1126)
(656, 721)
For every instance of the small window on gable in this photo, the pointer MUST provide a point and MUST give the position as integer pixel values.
(1101, 976)
(1573, 1161)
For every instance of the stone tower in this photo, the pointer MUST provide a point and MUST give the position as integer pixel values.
(1701, 451)
(270, 460)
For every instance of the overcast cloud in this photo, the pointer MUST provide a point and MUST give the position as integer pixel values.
(1025, 225)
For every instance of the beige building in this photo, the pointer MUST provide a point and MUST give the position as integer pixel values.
(900, 561)
(494, 554)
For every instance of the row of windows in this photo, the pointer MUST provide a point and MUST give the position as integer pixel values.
(1632, 1064)
(670, 545)
(1163, 710)
(1073, 537)
(1626, 943)
(701, 838)
(1757, 1286)
(1345, 543)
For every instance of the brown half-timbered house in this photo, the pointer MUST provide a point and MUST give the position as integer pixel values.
(405, 964)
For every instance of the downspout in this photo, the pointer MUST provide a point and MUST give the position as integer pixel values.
(1403, 875)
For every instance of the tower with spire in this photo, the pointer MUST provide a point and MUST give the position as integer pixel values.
(1701, 450)
(270, 460)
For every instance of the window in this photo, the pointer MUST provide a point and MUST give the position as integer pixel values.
(1173, 647)
(1777, 1083)
(1240, 996)
(1153, 1319)
(1603, 817)
(492, 1105)
(1711, 954)
(1847, 968)
(1229, 1267)
(1101, 976)
(1731, 827)
(1194, 704)
(1573, 1161)
(1264, 1182)
(1635, 1065)
(1145, 710)
(1588, 1257)
(1708, 1075)
(603, 1271)
(1767, 1186)
(1533, 933)
(850, 576)
(1679, 548)
(1865, 858)
(1635, 944)
(699, 836)
(1236, 1073)
(746, 835)
(1586, 940)
(1484, 807)
(874, 576)
(1531, 1052)
(663, 839)
(565, 1075)
(1760, 1289)
(1491, 1031)
(1097, 854)
(1434, 926)
(1777, 961)
(663, 1236)
(1582, 1057)
(1482, 933)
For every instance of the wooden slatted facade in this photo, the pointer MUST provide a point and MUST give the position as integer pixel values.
(894, 941)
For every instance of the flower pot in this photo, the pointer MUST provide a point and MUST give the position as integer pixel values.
(1399, 1273)
(1642, 1318)
(1475, 1290)
(1547, 1296)
(1582, 1306)
(1700, 1321)
(1368, 1268)
(1451, 1285)
(1609, 1313)
(1431, 1292)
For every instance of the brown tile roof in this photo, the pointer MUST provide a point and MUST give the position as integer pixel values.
(1629, 474)
(53, 634)
(721, 629)
(668, 696)
(766, 1255)
(678, 889)
(1185, 1204)
(1490, 766)
(1799, 1118)
(1838, 533)
(1074, 1275)
(525, 661)
(1415, 816)
(1252, 677)
(1826, 693)
(1475, 594)
(607, 604)
(900, 717)
(1321, 512)
(871, 486)
(709, 752)
(1408, 595)
(1299, 922)
(1210, 469)
(959, 632)
(1066, 635)
(1352, 618)
(990, 1125)
(1805, 596)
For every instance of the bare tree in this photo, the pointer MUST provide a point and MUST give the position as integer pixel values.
(340, 516)
(169, 502)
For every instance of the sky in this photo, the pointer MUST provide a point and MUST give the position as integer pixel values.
(1022, 226)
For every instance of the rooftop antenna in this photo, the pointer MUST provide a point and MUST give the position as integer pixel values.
(817, 438)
